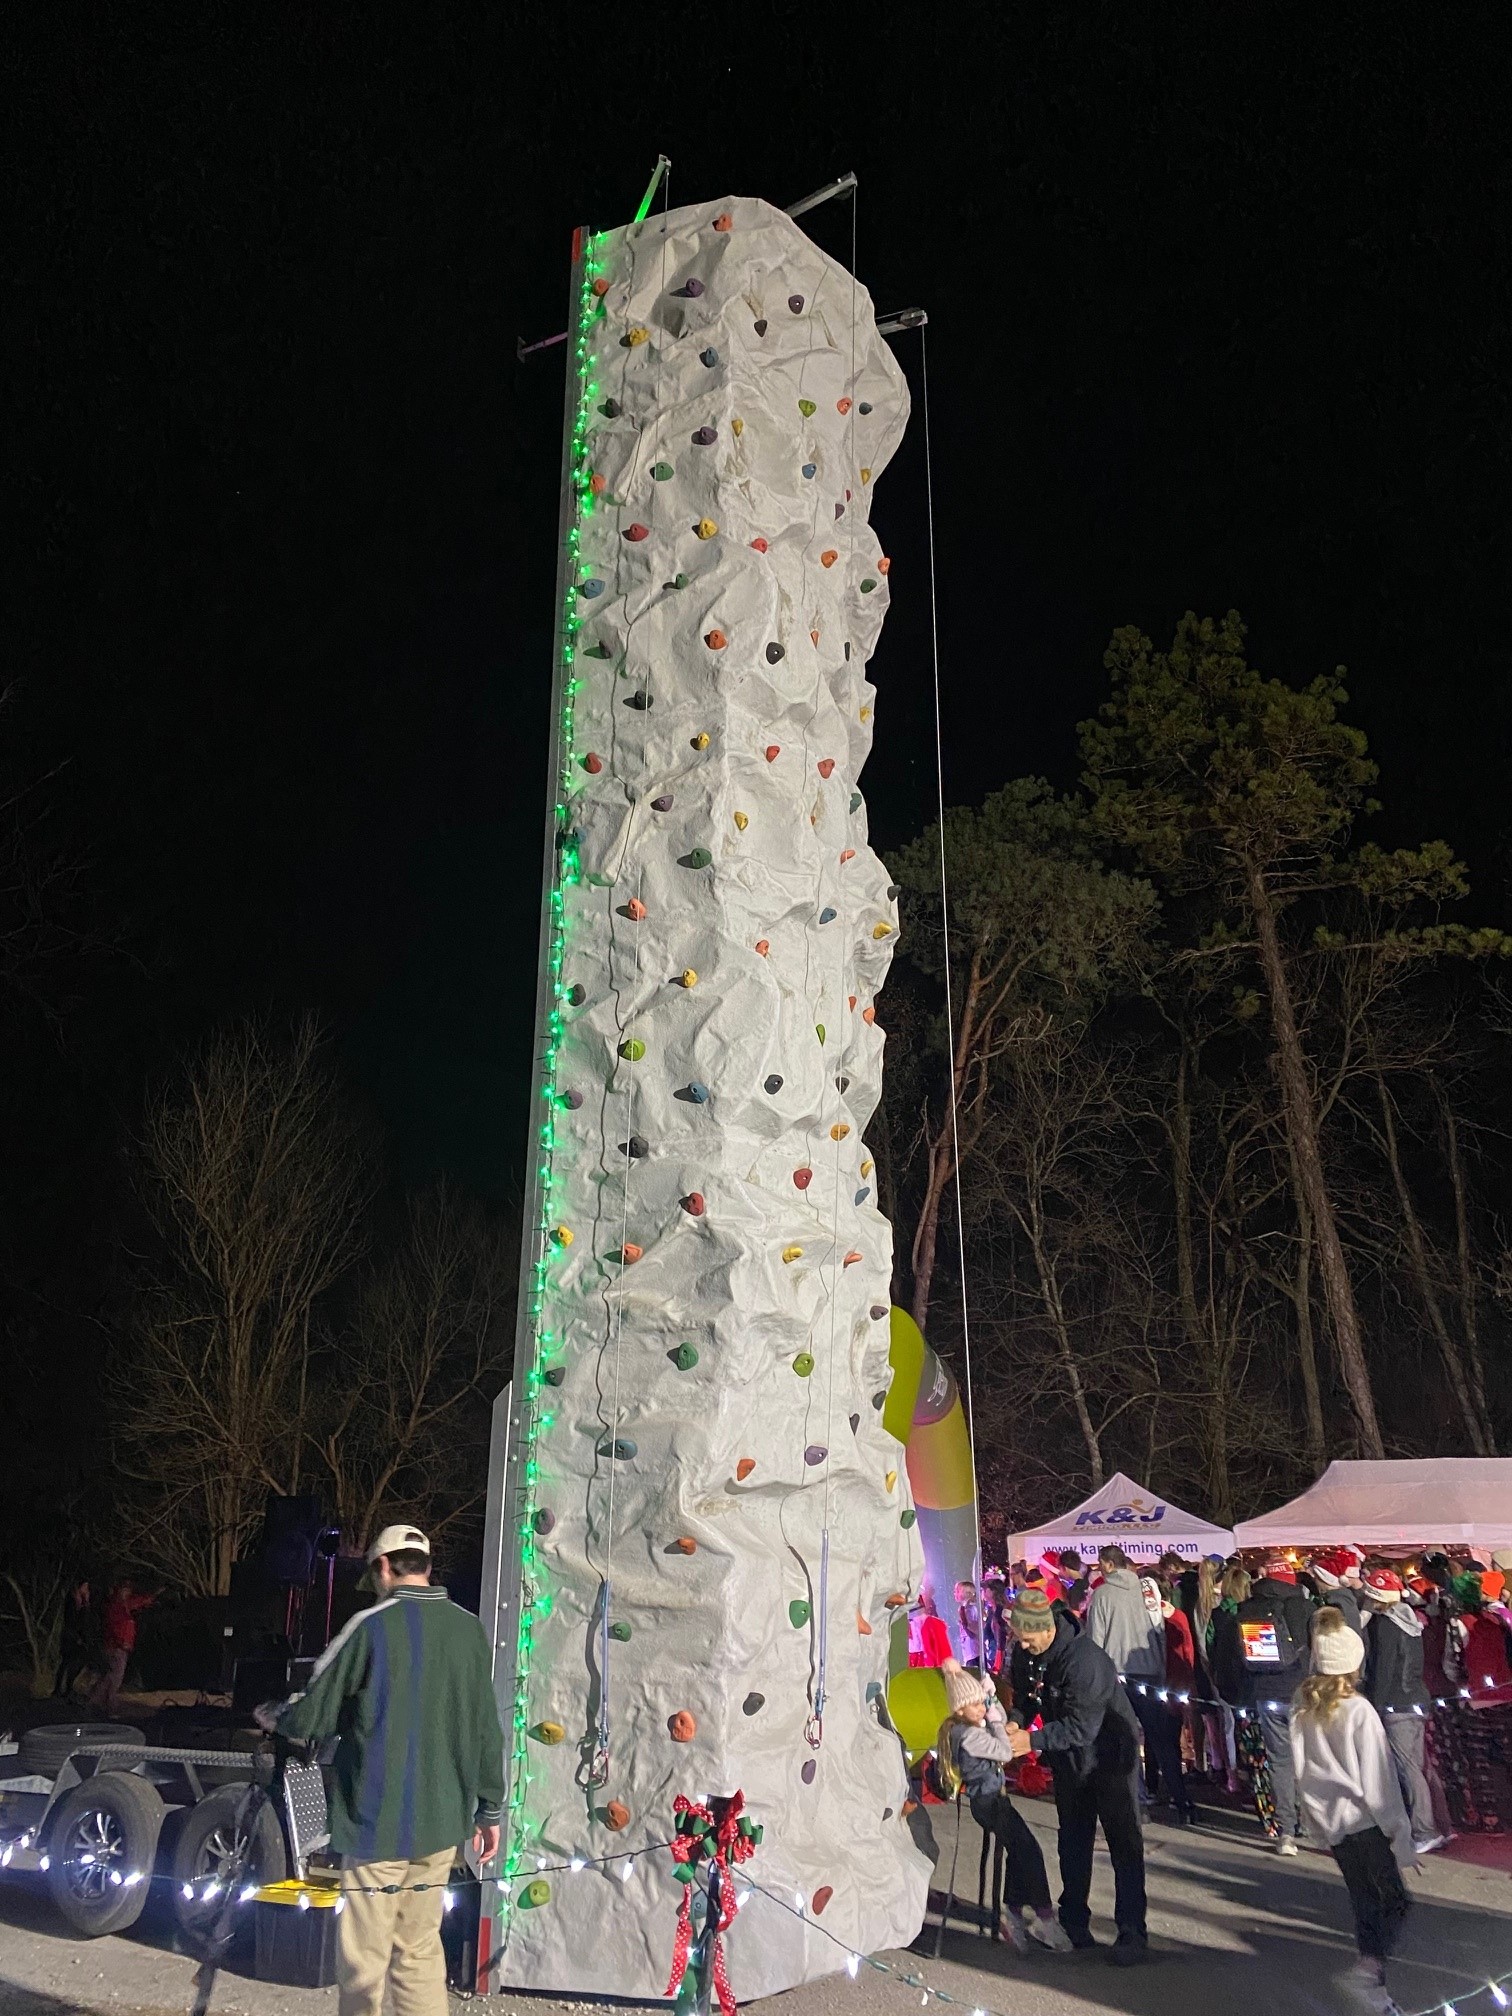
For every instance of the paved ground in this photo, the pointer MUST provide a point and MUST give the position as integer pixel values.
(1234, 1929)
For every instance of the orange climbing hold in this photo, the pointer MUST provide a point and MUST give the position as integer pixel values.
(853, 1256)
(598, 484)
(744, 1468)
(868, 1015)
(814, 635)
(601, 286)
(863, 1628)
(884, 565)
(681, 1727)
(828, 557)
(685, 1544)
(716, 640)
(852, 999)
(842, 405)
(825, 766)
(630, 1253)
(896, 1601)
(635, 910)
(724, 221)
(847, 854)
(616, 1816)
(763, 946)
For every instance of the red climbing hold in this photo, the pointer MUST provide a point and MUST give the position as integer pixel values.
(635, 533)
(852, 999)
(593, 764)
(716, 640)
(760, 545)
(773, 751)
(601, 286)
(744, 1468)
(842, 405)
(822, 1896)
(814, 635)
(884, 565)
(803, 1177)
(693, 1204)
(685, 1544)
(825, 766)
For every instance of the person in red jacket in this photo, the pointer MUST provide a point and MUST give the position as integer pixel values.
(120, 1635)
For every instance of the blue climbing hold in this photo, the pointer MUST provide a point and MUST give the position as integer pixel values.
(589, 589)
(827, 916)
(862, 1194)
(709, 357)
(810, 470)
(697, 1092)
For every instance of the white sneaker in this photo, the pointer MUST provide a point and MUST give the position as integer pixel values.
(1048, 1932)
(1427, 1847)
(1014, 1935)
(1286, 1845)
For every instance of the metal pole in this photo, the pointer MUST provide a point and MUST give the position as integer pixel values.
(841, 187)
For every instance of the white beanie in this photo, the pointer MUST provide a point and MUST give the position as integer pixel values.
(1338, 1651)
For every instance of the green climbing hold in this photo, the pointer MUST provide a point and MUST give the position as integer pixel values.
(680, 581)
(799, 1613)
(535, 1894)
(855, 801)
(700, 858)
(906, 1519)
(819, 1031)
(661, 471)
(807, 408)
(685, 1357)
(867, 587)
(803, 1364)
(620, 1632)
(598, 651)
(632, 1050)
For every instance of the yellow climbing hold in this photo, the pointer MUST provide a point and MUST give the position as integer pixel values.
(839, 1131)
(688, 977)
(701, 740)
(563, 1235)
(706, 528)
(882, 930)
(866, 713)
(737, 428)
(742, 820)
(636, 336)
(790, 1254)
(548, 1732)
(892, 1478)
(866, 475)
(866, 1166)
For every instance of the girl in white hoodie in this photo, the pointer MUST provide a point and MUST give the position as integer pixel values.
(1349, 1799)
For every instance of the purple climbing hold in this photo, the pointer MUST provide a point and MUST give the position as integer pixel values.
(809, 1772)
(795, 302)
(691, 289)
(704, 437)
(855, 1423)
(663, 803)
(839, 510)
(878, 1311)
(815, 1453)
(544, 1520)
(572, 1099)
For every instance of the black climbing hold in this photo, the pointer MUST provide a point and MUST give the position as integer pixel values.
(640, 700)
(855, 1421)
(887, 1812)
(577, 995)
(663, 803)
(879, 1400)
(619, 1446)
(847, 654)
(761, 327)
(612, 409)
(598, 651)
(864, 407)
(775, 654)
(795, 302)
(554, 1375)
(774, 1083)
(894, 891)
(635, 1147)
(753, 1704)
(572, 1099)
(842, 1085)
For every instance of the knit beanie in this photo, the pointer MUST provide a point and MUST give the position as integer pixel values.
(961, 1687)
(1032, 1612)
(1338, 1651)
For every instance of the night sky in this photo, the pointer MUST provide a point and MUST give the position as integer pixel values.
(1219, 305)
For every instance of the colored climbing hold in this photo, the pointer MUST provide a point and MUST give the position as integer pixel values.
(661, 471)
(706, 528)
(693, 1204)
(863, 1629)
(597, 484)
(715, 639)
(636, 1147)
(855, 1422)
(616, 1815)
(819, 1031)
(699, 857)
(803, 1364)
(635, 910)
(810, 1770)
(691, 289)
(742, 820)
(897, 1601)
(700, 740)
(704, 437)
(822, 1896)
(591, 588)
(906, 1519)
(795, 302)
(864, 407)
(698, 1092)
(867, 587)
(828, 916)
(572, 1099)
(563, 1235)
(685, 1544)
(687, 978)
(758, 546)
(864, 715)
(839, 510)
(810, 471)
(548, 1732)
(825, 766)
(577, 994)
(814, 636)
(772, 751)
(866, 1167)
(680, 581)
(632, 1049)
(799, 1613)
(535, 1894)
(842, 405)
(851, 999)
(884, 565)
(866, 475)
(636, 336)
(600, 651)
(663, 803)
(877, 1311)
(839, 1131)
(760, 327)
(753, 1704)
(852, 1257)
(882, 930)
(555, 1376)
(807, 408)
(681, 1727)
(544, 1520)
(892, 1476)
(737, 428)
(620, 1632)
(855, 801)
(774, 1083)
(593, 763)
(828, 557)
(815, 1454)
(708, 358)
(724, 221)
(802, 1178)
(775, 653)
(684, 1357)
(862, 1194)
(611, 409)
(847, 854)
(763, 946)
(635, 533)
(744, 1468)
(868, 1016)
(630, 1252)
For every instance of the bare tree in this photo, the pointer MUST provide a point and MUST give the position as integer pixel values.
(255, 1184)
(420, 1360)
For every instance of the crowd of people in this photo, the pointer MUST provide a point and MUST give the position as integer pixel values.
(1311, 1678)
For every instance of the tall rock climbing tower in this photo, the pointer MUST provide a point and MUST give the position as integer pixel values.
(712, 1526)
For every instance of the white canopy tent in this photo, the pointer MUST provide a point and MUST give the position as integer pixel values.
(1124, 1512)
(1411, 1503)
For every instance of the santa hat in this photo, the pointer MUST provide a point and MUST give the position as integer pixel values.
(1384, 1585)
(1277, 1566)
(1331, 1564)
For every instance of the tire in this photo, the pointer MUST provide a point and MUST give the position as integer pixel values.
(207, 1842)
(43, 1752)
(104, 1829)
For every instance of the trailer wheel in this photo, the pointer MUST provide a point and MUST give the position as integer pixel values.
(101, 1843)
(212, 1841)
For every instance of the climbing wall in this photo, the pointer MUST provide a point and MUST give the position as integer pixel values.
(717, 1527)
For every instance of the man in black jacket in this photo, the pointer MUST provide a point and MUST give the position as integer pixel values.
(1394, 1683)
(1090, 1738)
(1274, 1629)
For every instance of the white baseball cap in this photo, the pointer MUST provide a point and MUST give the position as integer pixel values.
(398, 1540)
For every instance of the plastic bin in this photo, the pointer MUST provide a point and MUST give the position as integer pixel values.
(296, 1944)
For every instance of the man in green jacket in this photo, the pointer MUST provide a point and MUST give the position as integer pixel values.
(419, 1767)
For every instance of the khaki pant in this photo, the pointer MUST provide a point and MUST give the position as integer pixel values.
(393, 1941)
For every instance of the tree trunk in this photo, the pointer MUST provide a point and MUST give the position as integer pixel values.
(1307, 1350)
(1454, 1364)
(1468, 1313)
(1214, 1412)
(1050, 1298)
(1301, 1112)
